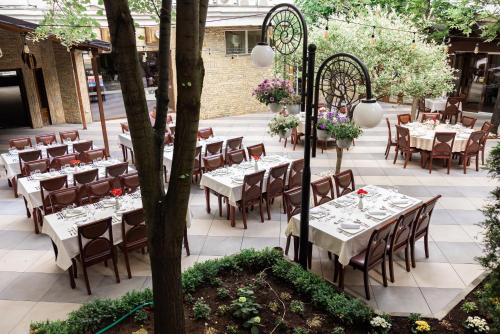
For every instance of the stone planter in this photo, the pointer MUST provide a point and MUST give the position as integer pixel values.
(322, 134)
(344, 143)
(293, 109)
(286, 134)
(274, 107)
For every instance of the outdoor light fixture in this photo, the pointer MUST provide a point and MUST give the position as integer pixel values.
(476, 49)
(262, 55)
(367, 113)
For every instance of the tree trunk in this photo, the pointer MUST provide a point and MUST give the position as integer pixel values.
(495, 117)
(338, 165)
(414, 107)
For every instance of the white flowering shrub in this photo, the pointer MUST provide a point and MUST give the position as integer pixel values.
(380, 325)
(476, 325)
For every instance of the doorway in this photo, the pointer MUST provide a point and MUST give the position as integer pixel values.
(14, 110)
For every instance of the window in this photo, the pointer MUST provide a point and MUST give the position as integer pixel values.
(241, 42)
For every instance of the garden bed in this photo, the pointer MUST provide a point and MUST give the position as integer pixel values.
(252, 292)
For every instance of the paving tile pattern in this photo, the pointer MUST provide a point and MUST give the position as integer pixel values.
(33, 288)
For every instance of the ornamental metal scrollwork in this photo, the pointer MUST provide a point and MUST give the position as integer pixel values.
(285, 29)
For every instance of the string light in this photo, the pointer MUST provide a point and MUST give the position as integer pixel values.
(476, 49)
(373, 40)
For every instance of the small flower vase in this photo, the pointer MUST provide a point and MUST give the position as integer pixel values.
(360, 203)
(256, 165)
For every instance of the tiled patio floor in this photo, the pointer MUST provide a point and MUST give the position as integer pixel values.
(33, 288)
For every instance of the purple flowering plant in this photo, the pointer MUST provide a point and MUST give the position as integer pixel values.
(337, 124)
(273, 90)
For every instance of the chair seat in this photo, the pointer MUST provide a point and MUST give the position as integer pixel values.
(358, 260)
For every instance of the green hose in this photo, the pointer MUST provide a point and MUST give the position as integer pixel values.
(116, 322)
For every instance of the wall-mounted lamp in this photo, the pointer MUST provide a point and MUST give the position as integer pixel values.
(476, 49)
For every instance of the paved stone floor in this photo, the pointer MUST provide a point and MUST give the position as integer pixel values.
(33, 288)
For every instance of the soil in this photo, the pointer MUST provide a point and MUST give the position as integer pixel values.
(452, 323)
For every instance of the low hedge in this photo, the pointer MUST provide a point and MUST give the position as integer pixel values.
(97, 314)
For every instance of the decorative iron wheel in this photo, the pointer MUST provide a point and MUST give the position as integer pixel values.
(285, 31)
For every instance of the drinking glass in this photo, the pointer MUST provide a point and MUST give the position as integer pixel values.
(447, 121)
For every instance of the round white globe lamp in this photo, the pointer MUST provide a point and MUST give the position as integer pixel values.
(262, 55)
(367, 114)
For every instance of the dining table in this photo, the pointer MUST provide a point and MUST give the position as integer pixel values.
(422, 135)
(438, 104)
(343, 227)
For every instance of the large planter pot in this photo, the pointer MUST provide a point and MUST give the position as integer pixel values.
(344, 143)
(274, 107)
(285, 134)
(322, 134)
(293, 109)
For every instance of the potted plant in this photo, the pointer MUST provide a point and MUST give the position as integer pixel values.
(344, 130)
(282, 125)
(292, 103)
(272, 91)
(324, 124)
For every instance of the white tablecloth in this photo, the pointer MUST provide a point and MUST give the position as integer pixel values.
(229, 181)
(11, 159)
(29, 187)
(438, 104)
(325, 221)
(422, 135)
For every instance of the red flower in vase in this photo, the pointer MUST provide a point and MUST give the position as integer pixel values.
(74, 162)
(116, 192)
(256, 157)
(361, 192)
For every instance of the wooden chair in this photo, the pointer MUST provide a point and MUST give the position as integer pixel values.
(373, 255)
(296, 135)
(80, 179)
(421, 107)
(322, 190)
(404, 119)
(233, 144)
(468, 122)
(97, 190)
(91, 155)
(344, 182)
(472, 150)
(62, 198)
(486, 128)
(275, 185)
(134, 234)
(171, 130)
(205, 133)
(442, 148)
(81, 147)
(390, 140)
(20, 143)
(251, 195)
(451, 109)
(57, 151)
(214, 148)
(98, 246)
(212, 163)
(69, 135)
(403, 145)
(46, 188)
(28, 156)
(431, 116)
(125, 150)
(129, 182)
(293, 204)
(236, 157)
(197, 169)
(41, 165)
(421, 227)
(295, 175)
(257, 150)
(61, 161)
(400, 239)
(46, 139)
(114, 171)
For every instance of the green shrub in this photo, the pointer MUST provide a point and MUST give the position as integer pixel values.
(140, 316)
(469, 307)
(201, 309)
(231, 329)
(296, 306)
(300, 330)
(338, 330)
(222, 293)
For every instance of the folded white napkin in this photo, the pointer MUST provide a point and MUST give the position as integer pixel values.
(377, 213)
(350, 226)
(400, 201)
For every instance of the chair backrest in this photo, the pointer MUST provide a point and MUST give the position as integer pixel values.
(169, 139)
(452, 105)
(171, 129)
(257, 150)
(117, 169)
(389, 131)
(28, 156)
(85, 177)
(70, 134)
(276, 180)
(61, 161)
(402, 137)
(468, 122)
(431, 116)
(20, 143)
(424, 217)
(62, 198)
(197, 159)
(41, 165)
(98, 245)
(252, 186)
(344, 182)
(486, 128)
(236, 157)
(474, 142)
(421, 105)
(442, 144)
(214, 148)
(124, 127)
(98, 189)
(46, 139)
(213, 162)
(205, 133)
(322, 190)
(403, 228)
(50, 185)
(404, 119)
(293, 201)
(57, 151)
(233, 144)
(295, 175)
(134, 228)
(91, 155)
(129, 182)
(377, 245)
(82, 146)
